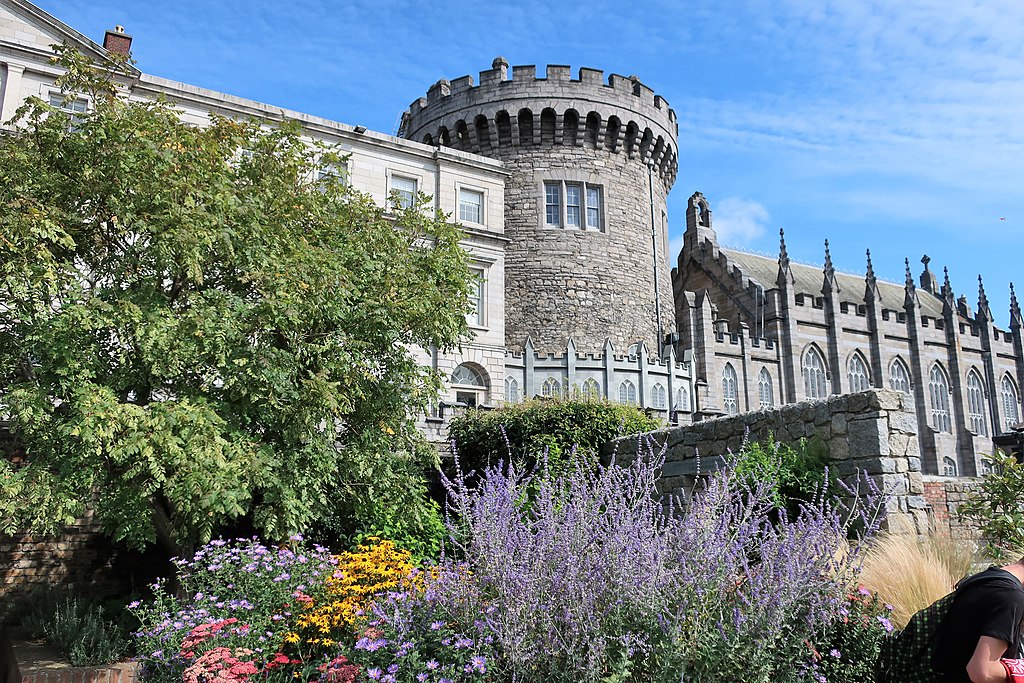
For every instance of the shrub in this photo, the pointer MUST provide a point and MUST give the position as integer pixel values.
(797, 473)
(845, 650)
(596, 579)
(524, 432)
(997, 506)
(79, 628)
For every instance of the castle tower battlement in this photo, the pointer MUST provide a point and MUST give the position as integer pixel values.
(591, 164)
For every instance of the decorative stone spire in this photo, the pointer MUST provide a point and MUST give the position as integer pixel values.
(947, 289)
(910, 276)
(1016, 319)
(910, 299)
(783, 254)
(871, 291)
(830, 285)
(983, 309)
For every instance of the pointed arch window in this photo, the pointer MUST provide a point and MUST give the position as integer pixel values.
(551, 388)
(512, 390)
(857, 373)
(591, 390)
(627, 393)
(814, 374)
(949, 468)
(976, 403)
(730, 396)
(899, 377)
(683, 399)
(765, 394)
(938, 393)
(659, 399)
(1011, 402)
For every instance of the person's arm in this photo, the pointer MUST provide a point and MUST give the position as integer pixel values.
(985, 666)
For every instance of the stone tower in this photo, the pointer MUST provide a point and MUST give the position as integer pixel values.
(590, 164)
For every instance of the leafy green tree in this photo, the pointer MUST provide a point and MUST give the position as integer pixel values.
(195, 330)
(996, 506)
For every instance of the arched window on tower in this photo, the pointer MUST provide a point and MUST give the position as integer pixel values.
(938, 393)
(591, 390)
(814, 374)
(1011, 402)
(899, 377)
(857, 373)
(976, 403)
(627, 393)
(551, 388)
(765, 394)
(659, 400)
(470, 385)
(512, 394)
(730, 396)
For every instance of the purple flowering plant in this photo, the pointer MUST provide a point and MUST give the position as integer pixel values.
(237, 594)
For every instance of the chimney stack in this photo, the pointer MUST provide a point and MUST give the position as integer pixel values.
(118, 41)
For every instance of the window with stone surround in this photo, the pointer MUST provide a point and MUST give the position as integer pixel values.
(573, 205)
(512, 390)
(1011, 402)
(814, 374)
(627, 393)
(683, 399)
(938, 393)
(976, 403)
(857, 373)
(71, 105)
(765, 393)
(476, 316)
(551, 388)
(471, 206)
(730, 396)
(659, 398)
(470, 385)
(591, 390)
(403, 192)
(949, 468)
(899, 377)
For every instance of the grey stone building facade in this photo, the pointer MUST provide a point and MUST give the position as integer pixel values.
(769, 331)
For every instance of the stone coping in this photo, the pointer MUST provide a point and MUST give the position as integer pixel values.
(29, 661)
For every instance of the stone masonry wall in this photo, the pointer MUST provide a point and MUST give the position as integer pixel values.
(944, 496)
(872, 432)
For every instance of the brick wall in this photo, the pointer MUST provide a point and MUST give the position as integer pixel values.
(944, 495)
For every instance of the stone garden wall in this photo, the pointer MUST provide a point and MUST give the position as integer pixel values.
(944, 495)
(874, 432)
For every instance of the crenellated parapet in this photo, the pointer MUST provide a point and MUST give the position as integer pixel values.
(513, 108)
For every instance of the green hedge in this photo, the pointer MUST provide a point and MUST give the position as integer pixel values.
(533, 428)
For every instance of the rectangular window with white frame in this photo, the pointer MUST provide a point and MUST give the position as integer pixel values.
(471, 206)
(573, 205)
(403, 191)
(71, 105)
(477, 299)
(332, 173)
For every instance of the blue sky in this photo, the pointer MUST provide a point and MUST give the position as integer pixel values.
(894, 125)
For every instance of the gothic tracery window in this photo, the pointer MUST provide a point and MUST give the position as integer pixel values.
(765, 395)
(627, 393)
(659, 399)
(730, 396)
(899, 377)
(591, 390)
(814, 374)
(511, 390)
(938, 393)
(976, 403)
(1011, 402)
(683, 399)
(857, 373)
(551, 388)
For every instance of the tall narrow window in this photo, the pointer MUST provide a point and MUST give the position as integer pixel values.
(572, 205)
(594, 207)
(899, 377)
(976, 403)
(658, 397)
(683, 399)
(949, 468)
(938, 392)
(471, 206)
(730, 397)
(1011, 403)
(814, 374)
(476, 299)
(857, 372)
(403, 192)
(627, 393)
(553, 204)
(511, 390)
(591, 390)
(765, 395)
(551, 388)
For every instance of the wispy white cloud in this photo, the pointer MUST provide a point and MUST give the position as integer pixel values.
(739, 221)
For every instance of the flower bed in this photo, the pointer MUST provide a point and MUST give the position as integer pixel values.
(586, 577)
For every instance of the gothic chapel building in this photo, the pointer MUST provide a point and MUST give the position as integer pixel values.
(560, 182)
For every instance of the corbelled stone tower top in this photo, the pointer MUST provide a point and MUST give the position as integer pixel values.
(591, 164)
